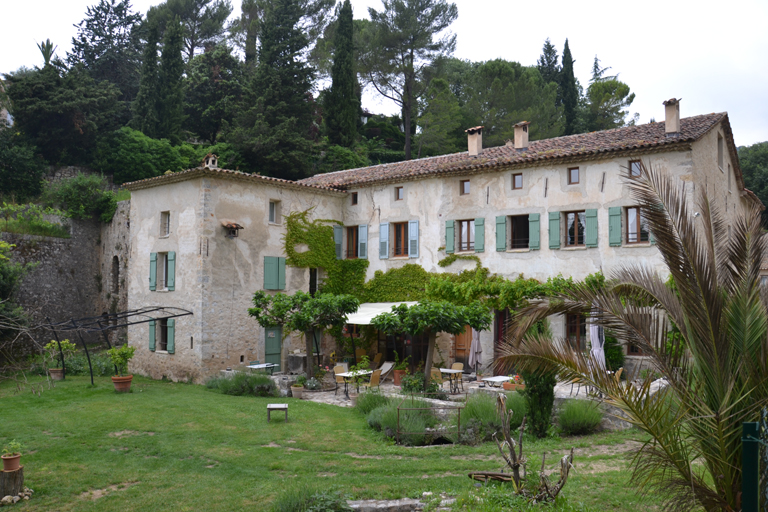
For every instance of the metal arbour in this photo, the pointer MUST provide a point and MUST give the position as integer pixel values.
(108, 321)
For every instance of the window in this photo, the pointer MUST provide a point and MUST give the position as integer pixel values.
(352, 242)
(466, 235)
(354, 198)
(274, 212)
(162, 270)
(635, 168)
(312, 281)
(633, 350)
(720, 152)
(575, 222)
(573, 175)
(517, 181)
(637, 226)
(576, 329)
(399, 194)
(464, 187)
(519, 232)
(165, 223)
(763, 280)
(401, 238)
(162, 335)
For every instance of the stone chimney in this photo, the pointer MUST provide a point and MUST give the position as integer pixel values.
(211, 161)
(521, 135)
(672, 116)
(475, 140)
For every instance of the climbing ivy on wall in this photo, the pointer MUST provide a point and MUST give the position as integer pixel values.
(407, 283)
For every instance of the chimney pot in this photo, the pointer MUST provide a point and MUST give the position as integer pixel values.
(475, 140)
(521, 135)
(672, 116)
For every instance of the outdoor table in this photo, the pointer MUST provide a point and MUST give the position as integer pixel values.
(263, 366)
(352, 375)
(454, 377)
(497, 381)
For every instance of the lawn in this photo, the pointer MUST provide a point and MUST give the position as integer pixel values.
(171, 446)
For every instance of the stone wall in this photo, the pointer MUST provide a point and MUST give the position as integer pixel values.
(115, 249)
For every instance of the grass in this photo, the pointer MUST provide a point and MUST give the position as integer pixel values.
(172, 446)
(122, 194)
(31, 227)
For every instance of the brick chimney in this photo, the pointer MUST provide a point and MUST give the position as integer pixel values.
(475, 140)
(672, 116)
(521, 135)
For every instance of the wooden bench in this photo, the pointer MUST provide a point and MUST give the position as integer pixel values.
(276, 407)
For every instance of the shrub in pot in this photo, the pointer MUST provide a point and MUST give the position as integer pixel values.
(120, 357)
(11, 456)
(400, 369)
(297, 388)
(52, 352)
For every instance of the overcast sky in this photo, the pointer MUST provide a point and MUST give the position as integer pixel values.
(713, 55)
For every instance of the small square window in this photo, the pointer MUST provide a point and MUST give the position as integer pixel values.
(354, 198)
(573, 175)
(399, 194)
(274, 212)
(635, 168)
(165, 223)
(517, 181)
(464, 187)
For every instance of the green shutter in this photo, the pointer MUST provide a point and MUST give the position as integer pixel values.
(362, 242)
(534, 231)
(651, 238)
(590, 237)
(501, 233)
(413, 239)
(270, 273)
(449, 236)
(614, 226)
(479, 235)
(280, 273)
(337, 238)
(171, 281)
(152, 335)
(171, 347)
(554, 230)
(383, 241)
(153, 271)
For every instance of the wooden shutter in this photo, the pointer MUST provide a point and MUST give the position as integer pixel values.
(280, 273)
(153, 271)
(337, 238)
(479, 235)
(384, 241)
(501, 233)
(171, 347)
(590, 237)
(614, 226)
(449, 236)
(171, 279)
(534, 232)
(152, 335)
(270, 273)
(362, 242)
(554, 230)
(413, 239)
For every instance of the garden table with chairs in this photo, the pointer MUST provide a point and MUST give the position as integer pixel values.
(348, 376)
(263, 366)
(454, 378)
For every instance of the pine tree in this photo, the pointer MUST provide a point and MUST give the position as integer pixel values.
(547, 63)
(342, 103)
(171, 106)
(569, 91)
(145, 115)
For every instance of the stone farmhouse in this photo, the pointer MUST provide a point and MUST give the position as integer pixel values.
(205, 239)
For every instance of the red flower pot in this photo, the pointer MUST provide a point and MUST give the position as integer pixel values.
(11, 462)
(122, 384)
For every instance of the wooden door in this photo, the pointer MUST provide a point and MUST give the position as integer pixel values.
(273, 346)
(462, 344)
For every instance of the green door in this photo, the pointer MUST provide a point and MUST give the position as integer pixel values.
(273, 346)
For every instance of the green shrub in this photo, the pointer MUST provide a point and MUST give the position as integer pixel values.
(516, 403)
(29, 219)
(414, 422)
(539, 395)
(77, 364)
(307, 499)
(370, 400)
(614, 353)
(374, 418)
(129, 155)
(82, 197)
(244, 384)
(479, 418)
(414, 383)
(579, 417)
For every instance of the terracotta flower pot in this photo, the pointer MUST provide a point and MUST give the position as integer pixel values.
(56, 373)
(297, 391)
(11, 462)
(519, 387)
(398, 375)
(122, 384)
(508, 386)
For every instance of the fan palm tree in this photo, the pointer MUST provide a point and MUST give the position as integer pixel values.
(716, 367)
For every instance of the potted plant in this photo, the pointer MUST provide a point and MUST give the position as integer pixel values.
(361, 366)
(400, 369)
(52, 350)
(11, 456)
(508, 385)
(297, 388)
(519, 384)
(120, 357)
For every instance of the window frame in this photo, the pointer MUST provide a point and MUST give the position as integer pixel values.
(400, 229)
(354, 198)
(514, 181)
(162, 271)
(462, 191)
(162, 335)
(639, 164)
(584, 231)
(470, 244)
(579, 322)
(639, 223)
(570, 176)
(165, 224)
(399, 194)
(352, 238)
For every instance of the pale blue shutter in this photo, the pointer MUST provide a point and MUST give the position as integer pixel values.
(614, 226)
(171, 280)
(362, 242)
(171, 347)
(152, 335)
(501, 233)
(534, 231)
(270, 273)
(591, 235)
(449, 236)
(554, 230)
(153, 271)
(413, 239)
(383, 241)
(337, 238)
(280, 273)
(479, 235)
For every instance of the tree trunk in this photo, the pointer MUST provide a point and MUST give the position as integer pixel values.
(11, 482)
(310, 351)
(428, 363)
(407, 126)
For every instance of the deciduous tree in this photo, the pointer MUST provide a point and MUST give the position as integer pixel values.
(439, 121)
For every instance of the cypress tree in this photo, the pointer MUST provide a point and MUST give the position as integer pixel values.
(171, 106)
(570, 93)
(342, 103)
(145, 115)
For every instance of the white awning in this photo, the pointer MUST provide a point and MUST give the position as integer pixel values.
(370, 310)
